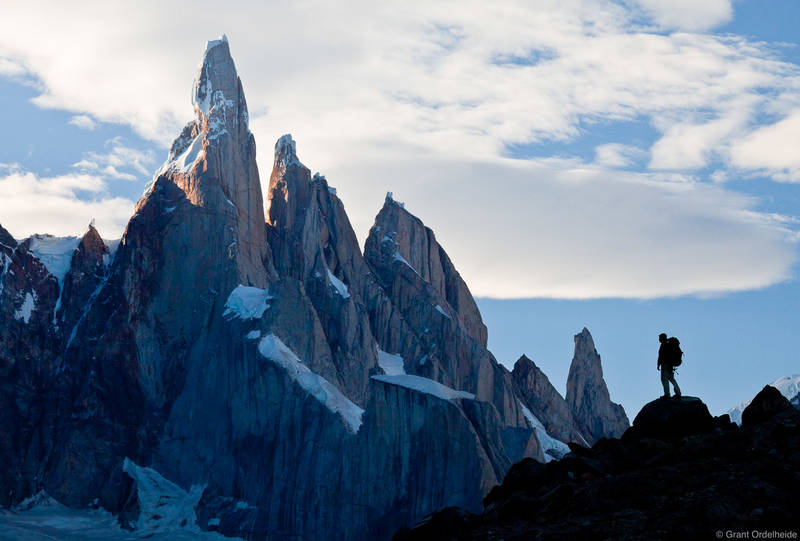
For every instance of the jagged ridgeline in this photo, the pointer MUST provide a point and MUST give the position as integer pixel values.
(287, 384)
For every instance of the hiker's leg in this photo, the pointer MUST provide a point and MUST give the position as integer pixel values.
(674, 383)
(665, 380)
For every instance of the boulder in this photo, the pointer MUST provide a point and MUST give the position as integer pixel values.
(670, 418)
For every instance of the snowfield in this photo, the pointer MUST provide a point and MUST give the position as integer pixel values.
(167, 512)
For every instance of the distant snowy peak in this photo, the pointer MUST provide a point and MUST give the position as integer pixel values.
(789, 386)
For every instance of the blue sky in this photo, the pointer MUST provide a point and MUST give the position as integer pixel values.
(630, 166)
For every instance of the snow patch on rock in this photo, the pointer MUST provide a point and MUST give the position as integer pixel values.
(55, 253)
(189, 158)
(338, 285)
(425, 385)
(28, 305)
(551, 447)
(391, 364)
(163, 505)
(246, 302)
(271, 347)
(401, 259)
(441, 311)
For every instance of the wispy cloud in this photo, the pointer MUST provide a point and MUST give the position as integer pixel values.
(84, 122)
(118, 157)
(772, 149)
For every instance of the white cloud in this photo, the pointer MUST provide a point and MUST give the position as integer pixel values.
(382, 96)
(688, 14)
(689, 145)
(616, 155)
(60, 205)
(549, 228)
(10, 67)
(119, 156)
(84, 122)
(772, 149)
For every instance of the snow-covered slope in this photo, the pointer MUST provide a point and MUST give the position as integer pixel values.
(789, 386)
(41, 517)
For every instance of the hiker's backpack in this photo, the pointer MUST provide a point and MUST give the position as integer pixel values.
(675, 353)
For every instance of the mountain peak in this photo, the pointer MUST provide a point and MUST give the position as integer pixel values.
(210, 44)
(286, 152)
(217, 80)
(588, 396)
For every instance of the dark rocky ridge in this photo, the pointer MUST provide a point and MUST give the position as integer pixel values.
(701, 476)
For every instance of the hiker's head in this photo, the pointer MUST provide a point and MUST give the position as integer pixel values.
(662, 337)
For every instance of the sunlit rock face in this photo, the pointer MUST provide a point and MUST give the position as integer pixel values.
(314, 391)
(587, 394)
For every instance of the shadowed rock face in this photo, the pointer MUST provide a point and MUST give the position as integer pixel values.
(87, 271)
(647, 485)
(587, 394)
(28, 357)
(544, 401)
(242, 353)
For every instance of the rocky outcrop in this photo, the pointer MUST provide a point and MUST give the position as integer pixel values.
(587, 394)
(671, 418)
(766, 404)
(544, 401)
(789, 386)
(87, 271)
(645, 486)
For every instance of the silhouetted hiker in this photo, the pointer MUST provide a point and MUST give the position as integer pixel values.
(669, 356)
